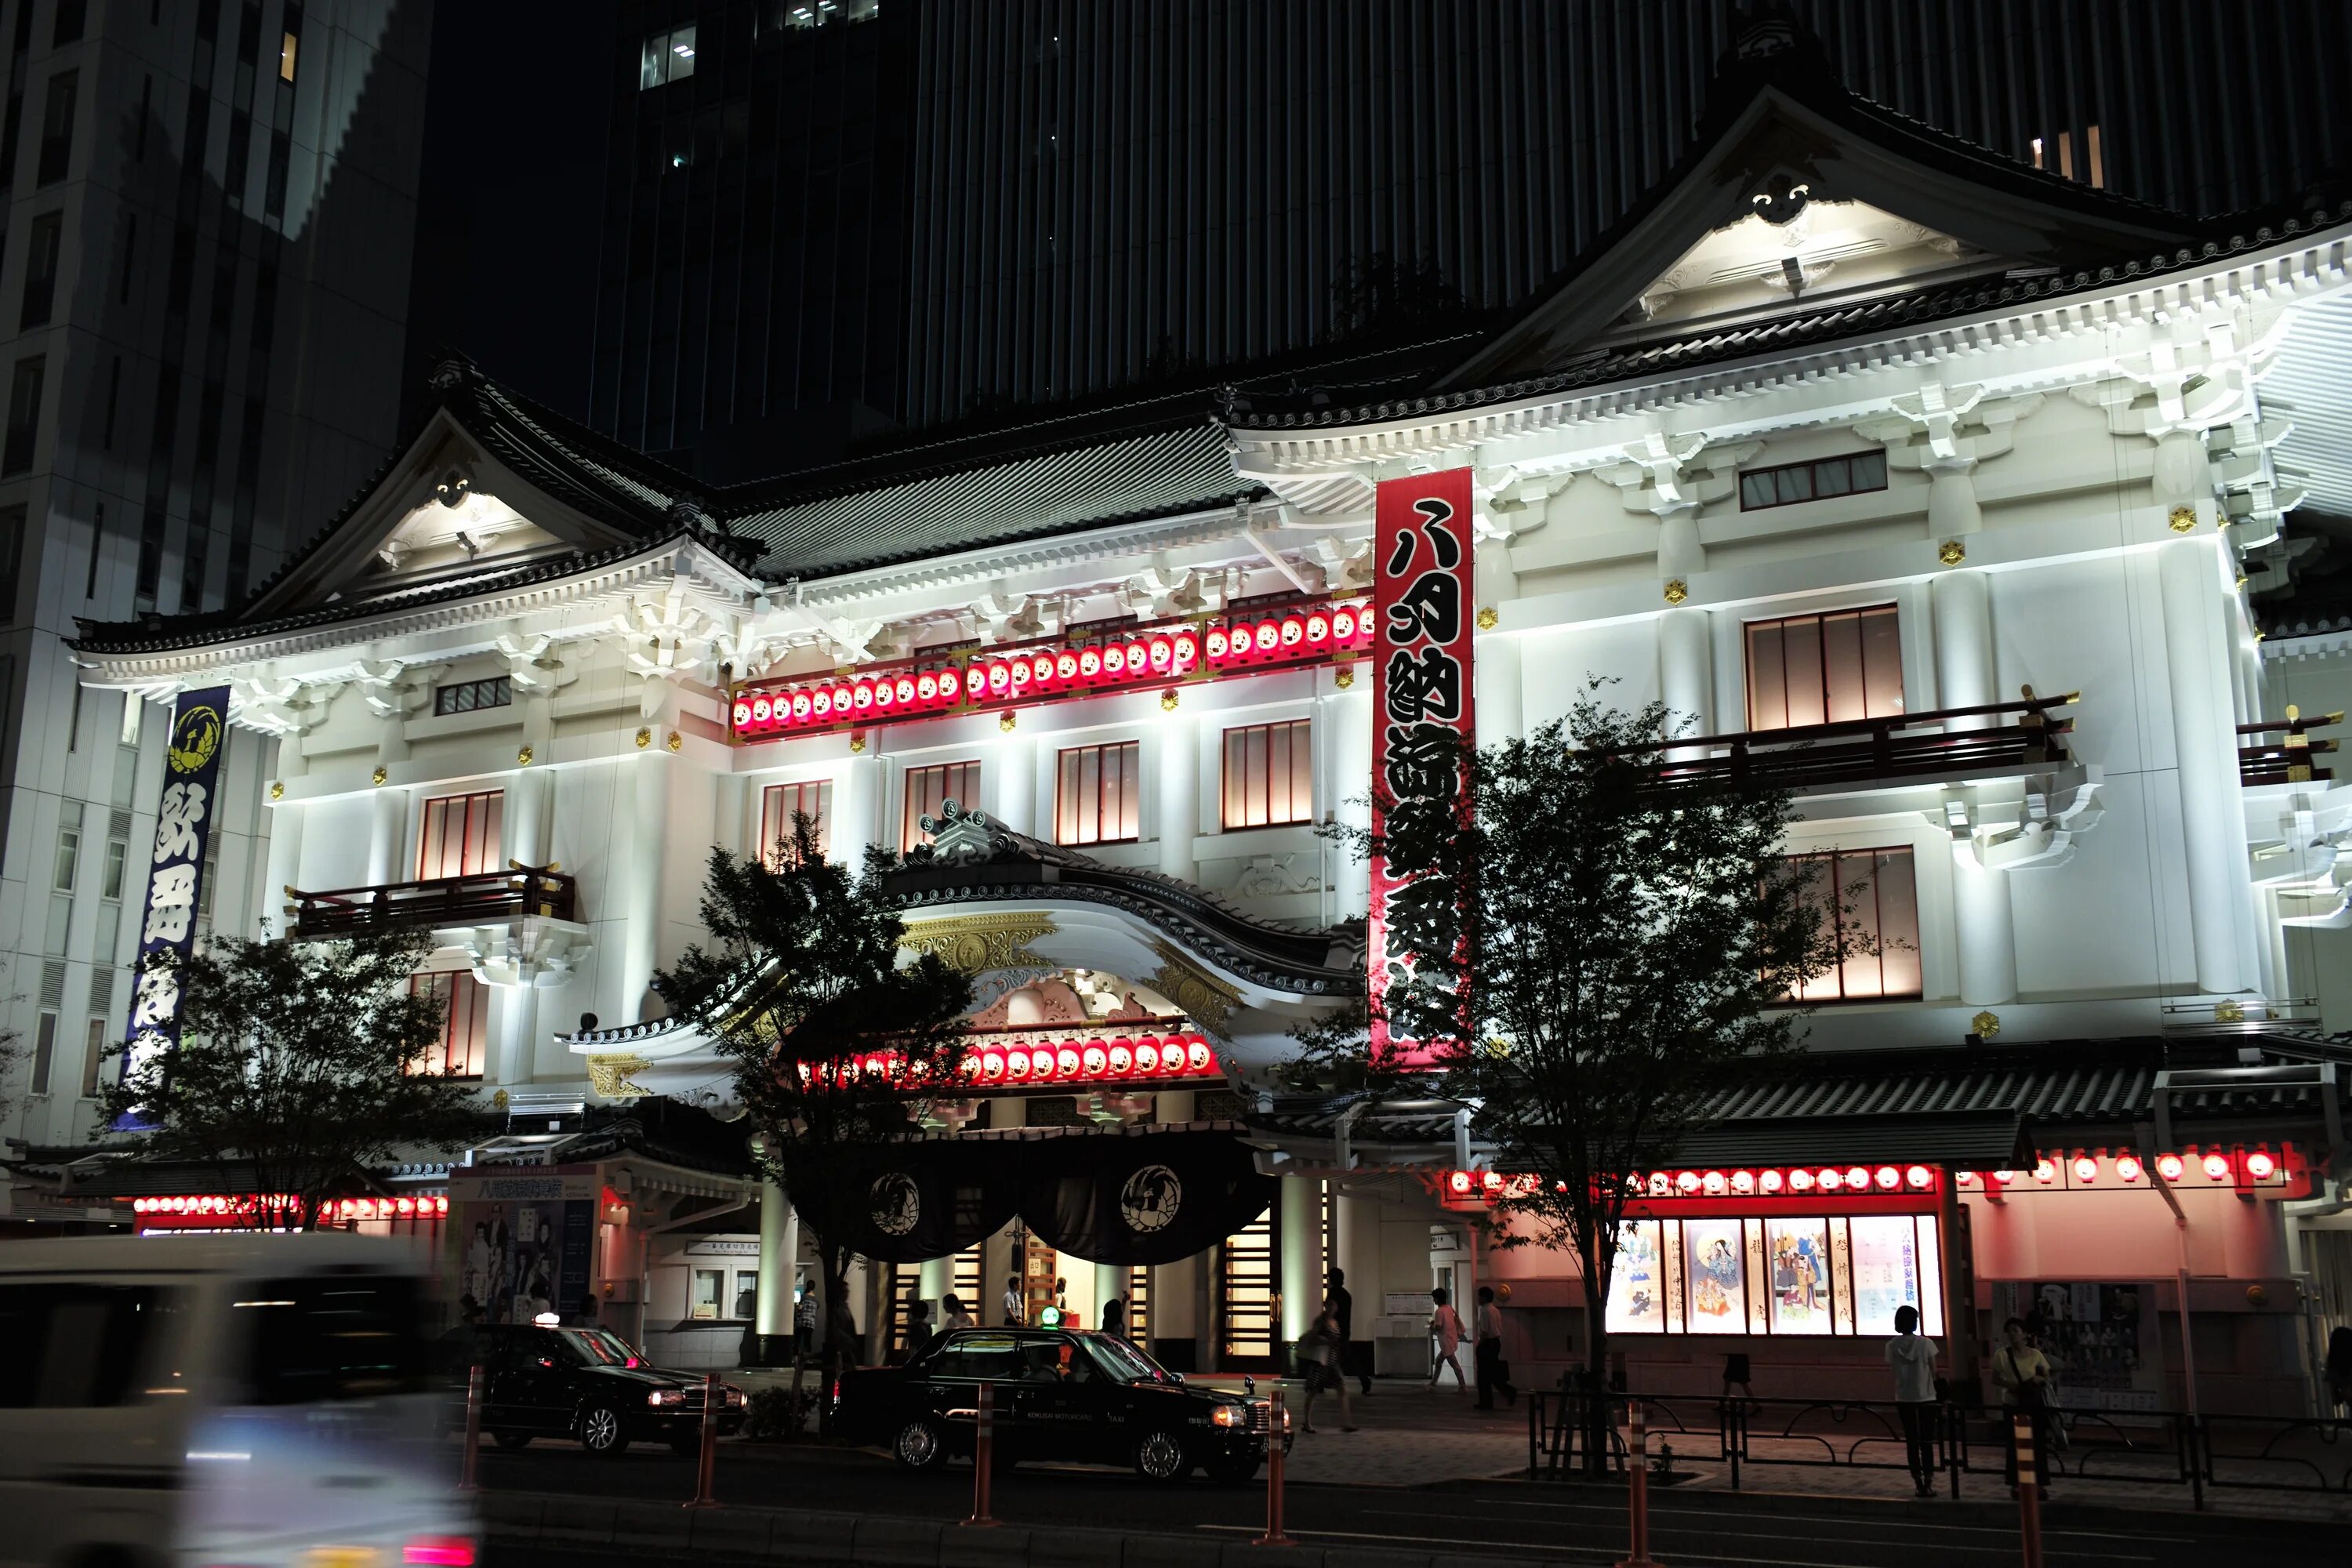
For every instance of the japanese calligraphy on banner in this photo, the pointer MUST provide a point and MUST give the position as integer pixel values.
(184, 827)
(1422, 602)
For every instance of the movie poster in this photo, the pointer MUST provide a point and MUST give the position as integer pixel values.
(1637, 1285)
(1797, 1258)
(1888, 1272)
(1715, 1272)
(525, 1241)
(2100, 1339)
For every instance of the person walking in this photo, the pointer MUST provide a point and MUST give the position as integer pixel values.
(955, 1317)
(1445, 1328)
(1337, 1301)
(804, 1320)
(1114, 1318)
(1318, 1368)
(1913, 1356)
(2022, 1372)
(1493, 1372)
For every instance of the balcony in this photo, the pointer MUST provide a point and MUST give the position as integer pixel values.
(440, 903)
(1990, 741)
(2287, 759)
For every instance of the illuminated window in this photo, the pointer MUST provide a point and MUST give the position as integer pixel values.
(667, 57)
(1245, 1294)
(1824, 669)
(779, 803)
(287, 45)
(927, 790)
(1269, 778)
(1097, 796)
(469, 696)
(459, 836)
(464, 1024)
(1792, 483)
(1872, 897)
(93, 1058)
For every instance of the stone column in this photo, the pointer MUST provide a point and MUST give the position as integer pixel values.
(1008, 778)
(641, 911)
(1350, 721)
(527, 815)
(780, 1246)
(731, 827)
(933, 1279)
(2213, 827)
(517, 1055)
(1110, 1281)
(1964, 651)
(858, 796)
(1987, 932)
(284, 865)
(1685, 670)
(388, 837)
(1501, 709)
(1300, 1221)
(1176, 803)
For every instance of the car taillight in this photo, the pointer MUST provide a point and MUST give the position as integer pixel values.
(439, 1551)
(837, 1391)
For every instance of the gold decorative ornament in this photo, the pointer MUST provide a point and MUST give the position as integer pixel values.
(675, 741)
(1007, 721)
(1487, 617)
(856, 745)
(380, 775)
(1986, 1025)
(2229, 1013)
(974, 944)
(277, 789)
(1345, 678)
(500, 1100)
(2241, 580)
(1676, 591)
(1951, 553)
(1208, 1000)
(645, 737)
(523, 756)
(1168, 701)
(608, 1075)
(2183, 518)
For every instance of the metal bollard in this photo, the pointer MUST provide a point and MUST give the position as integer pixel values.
(2029, 1493)
(1637, 1488)
(984, 1456)
(469, 1480)
(1273, 1431)
(706, 1471)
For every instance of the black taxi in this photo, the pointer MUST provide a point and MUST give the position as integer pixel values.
(1063, 1394)
(585, 1383)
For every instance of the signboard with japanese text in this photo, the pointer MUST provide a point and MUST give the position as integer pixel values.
(183, 829)
(525, 1239)
(1423, 604)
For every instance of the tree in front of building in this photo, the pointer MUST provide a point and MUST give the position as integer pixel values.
(302, 1068)
(805, 988)
(1583, 955)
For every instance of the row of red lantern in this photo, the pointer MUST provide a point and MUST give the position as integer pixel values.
(223, 1204)
(1096, 667)
(1291, 635)
(2213, 1166)
(846, 699)
(998, 1064)
(1743, 1183)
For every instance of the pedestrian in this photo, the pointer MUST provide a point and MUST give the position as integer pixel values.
(469, 1311)
(1012, 1313)
(586, 1317)
(1114, 1318)
(1318, 1368)
(952, 1305)
(1913, 1356)
(1445, 1328)
(1336, 1299)
(919, 1332)
(2022, 1374)
(1494, 1372)
(2339, 1366)
(1735, 1375)
(805, 1322)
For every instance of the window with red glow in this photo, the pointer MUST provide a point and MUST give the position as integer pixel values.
(464, 1024)
(779, 803)
(1824, 669)
(1269, 778)
(1097, 798)
(928, 789)
(459, 836)
(1872, 899)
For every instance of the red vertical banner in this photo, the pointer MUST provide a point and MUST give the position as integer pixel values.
(1423, 604)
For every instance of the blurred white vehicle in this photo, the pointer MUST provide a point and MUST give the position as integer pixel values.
(259, 1401)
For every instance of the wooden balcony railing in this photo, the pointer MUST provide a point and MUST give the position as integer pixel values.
(2009, 737)
(2287, 760)
(478, 899)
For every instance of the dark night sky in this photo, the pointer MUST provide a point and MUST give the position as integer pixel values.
(512, 192)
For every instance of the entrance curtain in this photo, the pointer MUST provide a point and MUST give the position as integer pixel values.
(1145, 1198)
(932, 1200)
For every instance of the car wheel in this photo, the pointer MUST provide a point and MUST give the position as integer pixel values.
(1159, 1456)
(1236, 1470)
(601, 1432)
(511, 1441)
(920, 1445)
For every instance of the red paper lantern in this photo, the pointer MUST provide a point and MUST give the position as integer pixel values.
(1121, 1058)
(1147, 1057)
(1042, 1063)
(2261, 1166)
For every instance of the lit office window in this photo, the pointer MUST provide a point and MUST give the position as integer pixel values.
(1824, 669)
(460, 835)
(667, 57)
(1269, 777)
(1097, 797)
(1872, 897)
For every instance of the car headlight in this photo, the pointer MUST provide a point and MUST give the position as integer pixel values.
(734, 1394)
(666, 1396)
(1228, 1416)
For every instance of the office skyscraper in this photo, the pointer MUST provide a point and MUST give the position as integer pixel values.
(208, 211)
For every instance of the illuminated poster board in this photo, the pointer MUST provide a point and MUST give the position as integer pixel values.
(1637, 1285)
(1797, 1255)
(1715, 1268)
(1891, 1267)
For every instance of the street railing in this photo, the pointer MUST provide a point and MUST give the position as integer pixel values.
(2153, 1447)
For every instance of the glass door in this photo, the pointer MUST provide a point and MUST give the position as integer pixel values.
(1246, 1299)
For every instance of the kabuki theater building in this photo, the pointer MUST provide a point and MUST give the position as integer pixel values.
(1933, 484)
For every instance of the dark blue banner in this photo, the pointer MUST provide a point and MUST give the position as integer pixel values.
(184, 826)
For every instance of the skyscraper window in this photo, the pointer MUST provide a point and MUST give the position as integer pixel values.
(668, 57)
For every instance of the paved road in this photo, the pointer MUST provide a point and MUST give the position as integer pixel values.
(1545, 1523)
